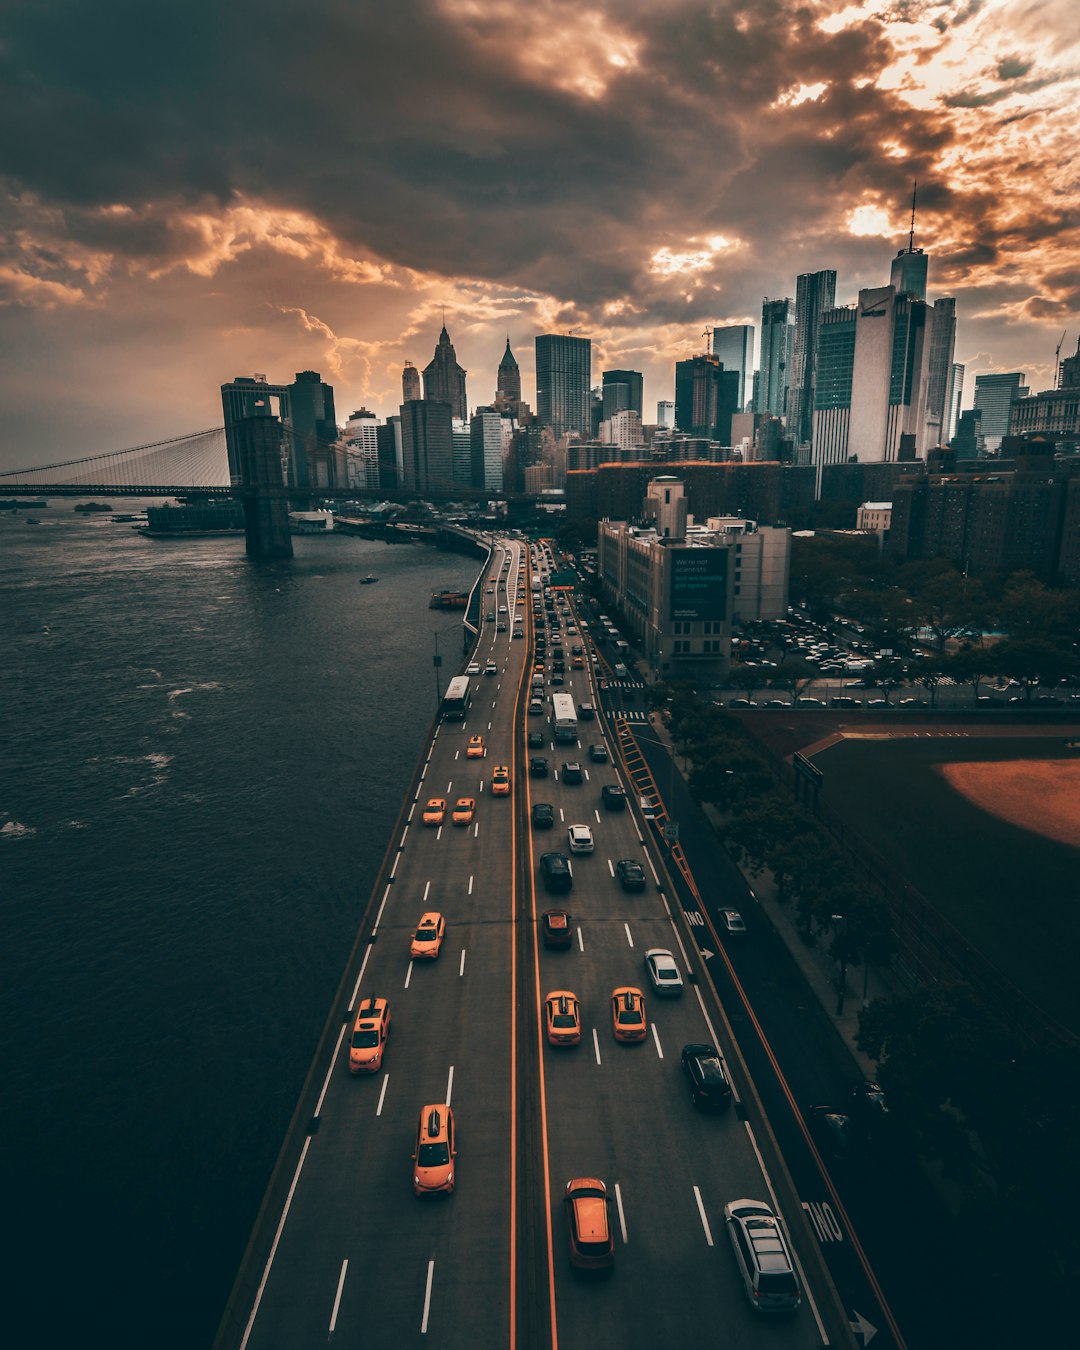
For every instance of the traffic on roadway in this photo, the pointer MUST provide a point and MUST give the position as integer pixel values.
(529, 1121)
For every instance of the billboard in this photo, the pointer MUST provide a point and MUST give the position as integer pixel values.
(698, 583)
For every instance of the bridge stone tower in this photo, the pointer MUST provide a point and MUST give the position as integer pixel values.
(263, 490)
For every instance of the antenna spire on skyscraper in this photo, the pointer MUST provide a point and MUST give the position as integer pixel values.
(911, 236)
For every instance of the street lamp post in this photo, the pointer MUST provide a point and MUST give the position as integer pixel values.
(840, 927)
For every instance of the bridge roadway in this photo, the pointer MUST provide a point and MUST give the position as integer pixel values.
(343, 1250)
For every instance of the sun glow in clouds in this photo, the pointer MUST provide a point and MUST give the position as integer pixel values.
(801, 93)
(869, 220)
(665, 262)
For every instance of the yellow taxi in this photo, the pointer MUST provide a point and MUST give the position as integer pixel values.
(577, 663)
(433, 1157)
(464, 810)
(562, 1015)
(370, 1030)
(476, 748)
(500, 780)
(435, 811)
(628, 1014)
(427, 940)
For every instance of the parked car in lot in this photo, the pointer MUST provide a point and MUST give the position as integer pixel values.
(710, 1089)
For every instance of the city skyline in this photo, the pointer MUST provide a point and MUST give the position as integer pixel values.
(630, 176)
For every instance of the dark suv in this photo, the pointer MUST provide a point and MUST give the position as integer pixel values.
(538, 767)
(709, 1087)
(613, 797)
(556, 871)
(543, 815)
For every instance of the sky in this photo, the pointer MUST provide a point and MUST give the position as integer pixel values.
(199, 190)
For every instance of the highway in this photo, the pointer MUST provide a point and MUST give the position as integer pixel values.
(344, 1252)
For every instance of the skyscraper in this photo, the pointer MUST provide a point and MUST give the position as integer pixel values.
(309, 424)
(909, 266)
(734, 345)
(622, 389)
(444, 379)
(939, 388)
(994, 397)
(815, 292)
(508, 382)
(777, 344)
(410, 383)
(665, 415)
(427, 446)
(563, 380)
(957, 399)
(706, 395)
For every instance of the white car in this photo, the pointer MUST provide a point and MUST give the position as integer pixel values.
(731, 921)
(663, 972)
(473, 668)
(581, 840)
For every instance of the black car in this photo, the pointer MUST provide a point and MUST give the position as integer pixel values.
(543, 815)
(536, 740)
(538, 767)
(598, 753)
(709, 1086)
(868, 1107)
(613, 797)
(631, 874)
(832, 1131)
(556, 871)
(571, 772)
(586, 712)
(557, 680)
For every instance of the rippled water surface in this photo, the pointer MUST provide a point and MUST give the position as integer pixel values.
(202, 759)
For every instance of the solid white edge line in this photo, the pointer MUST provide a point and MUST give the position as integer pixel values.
(622, 1216)
(629, 938)
(274, 1246)
(780, 1215)
(382, 1094)
(330, 1070)
(337, 1296)
(427, 1297)
(596, 1045)
(450, 1085)
(356, 986)
(656, 1038)
(703, 1217)
(461, 966)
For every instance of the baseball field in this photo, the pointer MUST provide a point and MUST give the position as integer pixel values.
(987, 828)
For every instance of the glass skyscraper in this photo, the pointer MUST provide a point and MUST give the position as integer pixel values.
(563, 383)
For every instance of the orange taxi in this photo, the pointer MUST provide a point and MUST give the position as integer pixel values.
(500, 781)
(628, 1014)
(562, 1015)
(427, 940)
(464, 810)
(370, 1031)
(433, 1157)
(476, 748)
(435, 811)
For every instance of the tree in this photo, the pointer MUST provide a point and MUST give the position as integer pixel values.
(1031, 662)
(971, 665)
(729, 774)
(930, 676)
(950, 605)
(795, 674)
(757, 826)
(1030, 610)
(890, 674)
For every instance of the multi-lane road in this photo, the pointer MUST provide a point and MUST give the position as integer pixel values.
(343, 1250)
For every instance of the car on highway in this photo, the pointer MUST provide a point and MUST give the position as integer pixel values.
(562, 1017)
(536, 707)
(543, 815)
(535, 740)
(630, 874)
(473, 668)
(433, 1156)
(519, 633)
(588, 1224)
(427, 940)
(491, 616)
(369, 1033)
(556, 929)
(598, 753)
(710, 1089)
(476, 748)
(613, 797)
(500, 781)
(500, 627)
(762, 1256)
(464, 811)
(538, 766)
(663, 972)
(628, 1020)
(557, 872)
(731, 923)
(572, 771)
(491, 668)
(581, 839)
(435, 811)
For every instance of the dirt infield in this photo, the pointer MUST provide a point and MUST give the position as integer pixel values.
(1042, 796)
